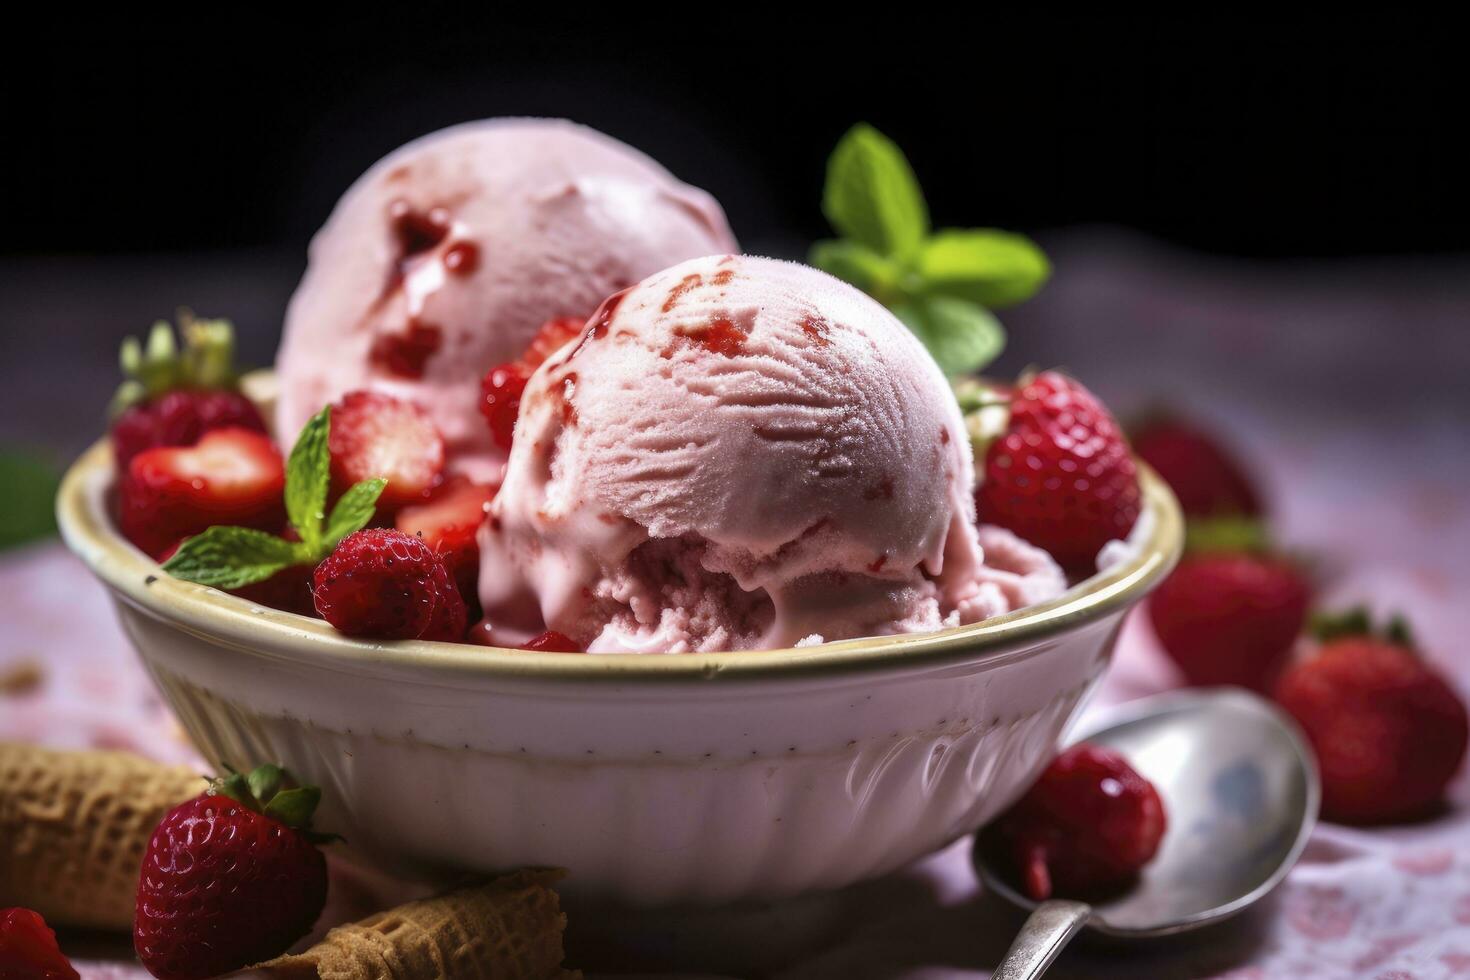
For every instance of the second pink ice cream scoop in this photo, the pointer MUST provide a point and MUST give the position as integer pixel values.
(444, 258)
(742, 453)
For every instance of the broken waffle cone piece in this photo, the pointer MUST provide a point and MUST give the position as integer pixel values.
(73, 827)
(508, 929)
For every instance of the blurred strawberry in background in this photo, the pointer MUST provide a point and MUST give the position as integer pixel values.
(1206, 477)
(1232, 610)
(1388, 730)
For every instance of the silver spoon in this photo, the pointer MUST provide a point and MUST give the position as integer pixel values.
(1240, 792)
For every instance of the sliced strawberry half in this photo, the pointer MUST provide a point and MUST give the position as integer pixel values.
(551, 337)
(231, 476)
(449, 523)
(374, 435)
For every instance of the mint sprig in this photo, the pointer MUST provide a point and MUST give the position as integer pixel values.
(942, 284)
(872, 196)
(308, 477)
(232, 557)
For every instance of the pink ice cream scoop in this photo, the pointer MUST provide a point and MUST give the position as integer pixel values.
(741, 453)
(444, 258)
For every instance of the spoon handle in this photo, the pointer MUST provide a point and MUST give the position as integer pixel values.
(1046, 931)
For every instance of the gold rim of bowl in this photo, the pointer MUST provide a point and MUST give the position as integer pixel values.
(250, 628)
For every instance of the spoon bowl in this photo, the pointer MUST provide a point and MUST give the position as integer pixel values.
(1241, 793)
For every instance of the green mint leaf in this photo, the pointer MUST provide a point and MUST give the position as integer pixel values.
(961, 336)
(308, 475)
(30, 486)
(294, 807)
(985, 266)
(230, 557)
(875, 275)
(354, 509)
(871, 195)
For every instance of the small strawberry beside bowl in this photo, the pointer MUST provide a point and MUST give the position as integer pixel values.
(1388, 729)
(231, 877)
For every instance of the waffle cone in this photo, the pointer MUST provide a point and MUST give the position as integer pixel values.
(73, 828)
(508, 929)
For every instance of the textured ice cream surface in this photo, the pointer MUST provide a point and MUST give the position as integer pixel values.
(442, 260)
(741, 453)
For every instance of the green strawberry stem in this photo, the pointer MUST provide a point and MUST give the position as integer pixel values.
(1226, 535)
(1357, 621)
(987, 413)
(270, 790)
(158, 365)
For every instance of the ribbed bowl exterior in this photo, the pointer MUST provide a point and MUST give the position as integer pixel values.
(671, 796)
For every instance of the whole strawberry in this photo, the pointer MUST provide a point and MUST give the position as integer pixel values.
(230, 878)
(28, 949)
(1087, 826)
(1388, 731)
(1059, 475)
(389, 585)
(1208, 480)
(173, 397)
(1231, 611)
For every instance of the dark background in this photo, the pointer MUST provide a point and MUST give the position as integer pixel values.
(1255, 136)
(1262, 220)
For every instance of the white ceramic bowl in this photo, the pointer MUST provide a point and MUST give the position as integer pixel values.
(656, 780)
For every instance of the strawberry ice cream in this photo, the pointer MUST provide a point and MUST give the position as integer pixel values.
(442, 260)
(742, 453)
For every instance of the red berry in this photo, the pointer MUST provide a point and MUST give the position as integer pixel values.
(1206, 478)
(451, 613)
(500, 400)
(551, 642)
(1089, 825)
(386, 584)
(223, 886)
(1388, 731)
(377, 435)
(231, 476)
(552, 336)
(1230, 618)
(1060, 476)
(180, 418)
(449, 523)
(28, 949)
